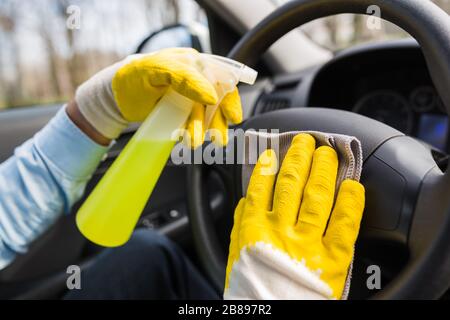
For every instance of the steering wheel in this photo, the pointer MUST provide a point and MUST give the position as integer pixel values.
(408, 195)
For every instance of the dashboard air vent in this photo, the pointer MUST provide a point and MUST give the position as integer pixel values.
(269, 104)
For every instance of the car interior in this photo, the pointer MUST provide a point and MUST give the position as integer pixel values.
(392, 95)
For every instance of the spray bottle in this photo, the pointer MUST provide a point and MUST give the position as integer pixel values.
(110, 213)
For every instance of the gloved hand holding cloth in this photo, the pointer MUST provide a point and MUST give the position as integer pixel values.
(129, 90)
(295, 230)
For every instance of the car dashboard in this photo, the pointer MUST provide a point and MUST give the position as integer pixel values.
(388, 82)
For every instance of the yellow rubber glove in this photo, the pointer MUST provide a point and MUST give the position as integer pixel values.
(290, 239)
(129, 90)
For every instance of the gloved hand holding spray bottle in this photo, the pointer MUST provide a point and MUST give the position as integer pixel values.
(109, 215)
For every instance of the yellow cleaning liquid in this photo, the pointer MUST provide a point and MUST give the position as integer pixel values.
(116, 217)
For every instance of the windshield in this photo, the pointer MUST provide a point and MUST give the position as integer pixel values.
(48, 48)
(345, 30)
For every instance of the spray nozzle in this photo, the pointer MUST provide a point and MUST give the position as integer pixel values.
(224, 74)
(241, 71)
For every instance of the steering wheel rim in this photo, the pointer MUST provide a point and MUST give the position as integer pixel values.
(426, 273)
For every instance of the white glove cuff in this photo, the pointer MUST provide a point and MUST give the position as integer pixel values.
(263, 272)
(95, 100)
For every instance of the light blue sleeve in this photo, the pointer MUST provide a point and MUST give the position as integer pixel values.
(41, 181)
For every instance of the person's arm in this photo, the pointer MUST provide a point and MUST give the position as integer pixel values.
(42, 180)
(48, 173)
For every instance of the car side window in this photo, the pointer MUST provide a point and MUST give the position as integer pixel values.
(48, 48)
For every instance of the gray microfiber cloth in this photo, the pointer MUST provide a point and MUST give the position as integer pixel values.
(348, 149)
